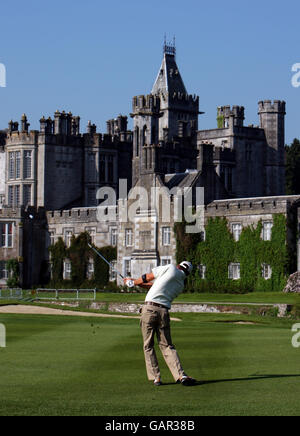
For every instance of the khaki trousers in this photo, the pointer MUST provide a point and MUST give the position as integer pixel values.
(156, 321)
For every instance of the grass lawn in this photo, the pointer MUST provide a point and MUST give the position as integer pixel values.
(254, 297)
(251, 298)
(83, 366)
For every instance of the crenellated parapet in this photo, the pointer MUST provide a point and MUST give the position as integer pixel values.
(146, 104)
(267, 106)
(226, 114)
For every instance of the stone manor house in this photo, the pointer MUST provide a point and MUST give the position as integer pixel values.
(49, 179)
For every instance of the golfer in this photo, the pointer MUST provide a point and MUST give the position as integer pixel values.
(165, 283)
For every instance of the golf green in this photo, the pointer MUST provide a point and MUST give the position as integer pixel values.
(86, 366)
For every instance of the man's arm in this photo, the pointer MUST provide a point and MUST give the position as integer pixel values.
(145, 282)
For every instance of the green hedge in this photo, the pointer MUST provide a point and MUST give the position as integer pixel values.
(219, 250)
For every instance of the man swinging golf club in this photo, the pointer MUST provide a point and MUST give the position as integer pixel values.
(165, 283)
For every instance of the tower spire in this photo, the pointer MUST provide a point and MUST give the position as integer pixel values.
(170, 47)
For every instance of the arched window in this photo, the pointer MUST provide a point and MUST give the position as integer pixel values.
(137, 141)
(144, 135)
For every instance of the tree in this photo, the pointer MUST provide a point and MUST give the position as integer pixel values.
(293, 168)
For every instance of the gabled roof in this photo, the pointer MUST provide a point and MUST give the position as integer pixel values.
(182, 180)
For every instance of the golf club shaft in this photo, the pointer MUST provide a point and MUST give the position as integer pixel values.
(106, 261)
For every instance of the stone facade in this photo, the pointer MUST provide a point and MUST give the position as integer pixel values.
(59, 168)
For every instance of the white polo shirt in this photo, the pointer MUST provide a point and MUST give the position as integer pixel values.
(168, 284)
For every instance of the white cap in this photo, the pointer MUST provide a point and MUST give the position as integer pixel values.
(187, 266)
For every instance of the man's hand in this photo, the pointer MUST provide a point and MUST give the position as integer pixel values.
(129, 282)
(145, 282)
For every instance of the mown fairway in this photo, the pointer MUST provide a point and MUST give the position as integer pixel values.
(70, 366)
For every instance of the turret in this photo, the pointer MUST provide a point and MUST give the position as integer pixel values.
(272, 120)
(230, 117)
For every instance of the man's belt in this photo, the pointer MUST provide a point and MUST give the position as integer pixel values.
(150, 303)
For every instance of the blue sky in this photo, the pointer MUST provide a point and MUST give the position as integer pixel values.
(91, 57)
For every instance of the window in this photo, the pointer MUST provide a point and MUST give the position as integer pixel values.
(114, 237)
(14, 171)
(11, 166)
(137, 141)
(144, 136)
(266, 271)
(14, 196)
(67, 270)
(202, 271)
(3, 271)
(52, 237)
(27, 195)
(27, 164)
(128, 237)
(112, 272)
(92, 170)
(68, 237)
(92, 232)
(236, 231)
(166, 236)
(18, 164)
(90, 269)
(267, 231)
(166, 261)
(10, 196)
(6, 235)
(234, 271)
(127, 267)
(17, 196)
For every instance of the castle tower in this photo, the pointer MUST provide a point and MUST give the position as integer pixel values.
(272, 120)
(146, 114)
(228, 117)
(179, 109)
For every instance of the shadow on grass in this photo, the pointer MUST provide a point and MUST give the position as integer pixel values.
(250, 378)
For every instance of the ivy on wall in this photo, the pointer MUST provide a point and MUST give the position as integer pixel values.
(57, 255)
(13, 270)
(79, 254)
(220, 121)
(219, 250)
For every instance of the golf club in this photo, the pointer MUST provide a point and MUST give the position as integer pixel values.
(129, 284)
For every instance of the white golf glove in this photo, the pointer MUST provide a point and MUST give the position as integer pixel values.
(129, 283)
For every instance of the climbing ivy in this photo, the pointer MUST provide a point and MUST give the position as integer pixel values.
(13, 269)
(79, 254)
(219, 250)
(58, 253)
(220, 121)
